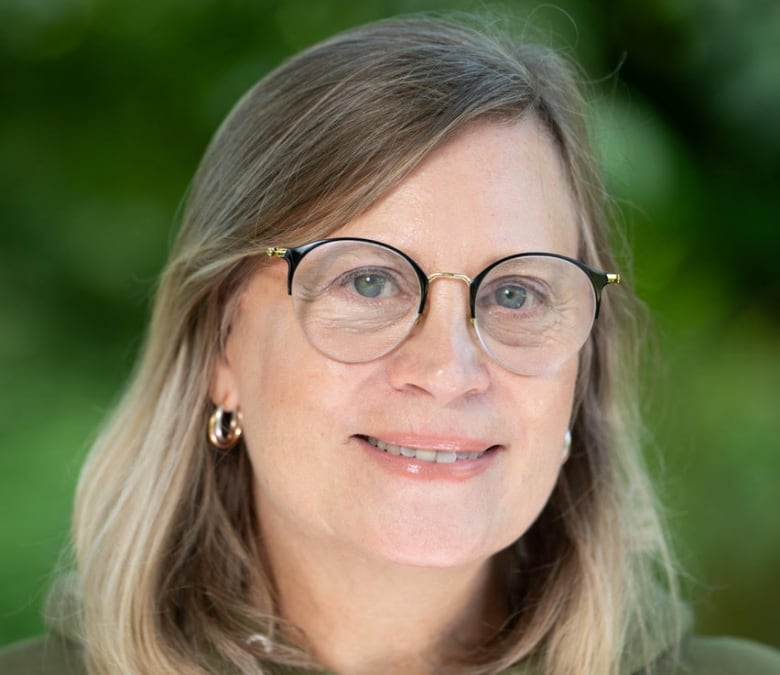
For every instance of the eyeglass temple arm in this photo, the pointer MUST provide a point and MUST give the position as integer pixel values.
(291, 256)
(601, 280)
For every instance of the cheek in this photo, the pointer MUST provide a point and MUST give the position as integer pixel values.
(543, 414)
(279, 391)
(545, 405)
(282, 435)
(293, 400)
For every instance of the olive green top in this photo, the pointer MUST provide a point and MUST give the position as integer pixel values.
(698, 656)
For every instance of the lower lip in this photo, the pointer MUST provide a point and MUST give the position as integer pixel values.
(411, 467)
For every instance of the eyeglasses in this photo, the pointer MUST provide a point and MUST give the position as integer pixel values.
(358, 299)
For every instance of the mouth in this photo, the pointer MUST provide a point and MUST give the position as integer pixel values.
(428, 455)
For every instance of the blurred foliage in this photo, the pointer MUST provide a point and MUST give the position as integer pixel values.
(107, 105)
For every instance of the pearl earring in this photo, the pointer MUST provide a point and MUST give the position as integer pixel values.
(566, 445)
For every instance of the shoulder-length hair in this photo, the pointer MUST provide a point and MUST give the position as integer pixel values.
(171, 572)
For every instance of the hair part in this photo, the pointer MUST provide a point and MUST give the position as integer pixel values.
(171, 566)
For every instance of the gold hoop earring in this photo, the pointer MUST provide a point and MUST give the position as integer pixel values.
(224, 428)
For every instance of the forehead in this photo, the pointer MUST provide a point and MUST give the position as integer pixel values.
(492, 190)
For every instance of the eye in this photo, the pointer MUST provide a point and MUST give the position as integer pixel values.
(371, 285)
(510, 296)
(515, 296)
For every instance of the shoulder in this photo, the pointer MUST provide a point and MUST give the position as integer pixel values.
(701, 656)
(50, 655)
(719, 656)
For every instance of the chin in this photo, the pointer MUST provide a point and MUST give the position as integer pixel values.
(435, 552)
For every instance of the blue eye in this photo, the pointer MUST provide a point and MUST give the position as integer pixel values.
(511, 297)
(369, 285)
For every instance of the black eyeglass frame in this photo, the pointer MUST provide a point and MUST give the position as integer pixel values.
(294, 256)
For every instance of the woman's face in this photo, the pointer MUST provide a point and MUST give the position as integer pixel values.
(310, 423)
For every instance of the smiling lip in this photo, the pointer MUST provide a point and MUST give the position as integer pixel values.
(430, 458)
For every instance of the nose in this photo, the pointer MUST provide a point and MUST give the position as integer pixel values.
(441, 357)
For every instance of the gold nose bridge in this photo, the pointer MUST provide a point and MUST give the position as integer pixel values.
(449, 275)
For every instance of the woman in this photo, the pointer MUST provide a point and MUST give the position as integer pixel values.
(385, 419)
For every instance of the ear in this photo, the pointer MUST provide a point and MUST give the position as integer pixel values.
(224, 384)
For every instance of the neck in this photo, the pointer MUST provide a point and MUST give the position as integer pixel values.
(372, 616)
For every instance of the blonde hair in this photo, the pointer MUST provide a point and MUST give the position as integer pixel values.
(171, 572)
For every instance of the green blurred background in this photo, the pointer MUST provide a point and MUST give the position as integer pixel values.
(105, 108)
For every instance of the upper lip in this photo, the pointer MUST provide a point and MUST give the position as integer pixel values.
(439, 442)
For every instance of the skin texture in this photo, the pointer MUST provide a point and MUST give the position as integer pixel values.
(360, 545)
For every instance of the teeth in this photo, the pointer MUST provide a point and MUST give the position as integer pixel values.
(432, 456)
(427, 455)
